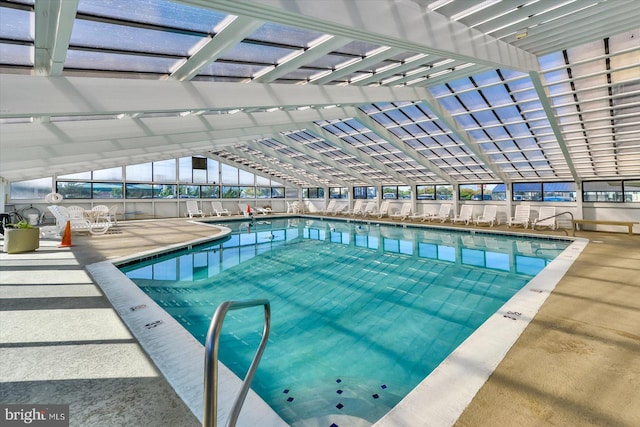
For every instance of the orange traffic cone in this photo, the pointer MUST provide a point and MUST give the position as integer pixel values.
(66, 237)
(248, 209)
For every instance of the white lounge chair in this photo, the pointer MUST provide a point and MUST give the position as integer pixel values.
(466, 215)
(193, 209)
(418, 215)
(61, 215)
(546, 218)
(357, 208)
(218, 210)
(404, 213)
(370, 209)
(112, 216)
(384, 209)
(488, 216)
(442, 215)
(521, 216)
(330, 207)
(340, 208)
(101, 212)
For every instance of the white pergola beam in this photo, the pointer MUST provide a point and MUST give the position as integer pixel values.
(399, 24)
(257, 172)
(231, 35)
(28, 96)
(53, 24)
(368, 61)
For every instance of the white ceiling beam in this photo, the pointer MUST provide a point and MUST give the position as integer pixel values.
(229, 36)
(330, 138)
(53, 24)
(392, 139)
(304, 57)
(543, 95)
(445, 117)
(269, 165)
(402, 25)
(270, 152)
(296, 145)
(28, 96)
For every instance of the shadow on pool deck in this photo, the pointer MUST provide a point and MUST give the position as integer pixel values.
(60, 342)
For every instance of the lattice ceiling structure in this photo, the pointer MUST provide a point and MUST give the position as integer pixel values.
(325, 93)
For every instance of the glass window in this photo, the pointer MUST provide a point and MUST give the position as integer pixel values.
(245, 178)
(631, 191)
(527, 191)
(230, 192)
(263, 192)
(106, 190)
(426, 192)
(247, 192)
(404, 192)
(200, 176)
(338, 192)
(74, 190)
(444, 192)
(359, 192)
(164, 171)
(188, 191)
(31, 189)
(229, 175)
(111, 174)
(559, 191)
(602, 191)
(138, 191)
(470, 192)
(262, 181)
(139, 172)
(279, 192)
(83, 176)
(164, 191)
(209, 191)
(185, 169)
(213, 171)
(390, 192)
(313, 193)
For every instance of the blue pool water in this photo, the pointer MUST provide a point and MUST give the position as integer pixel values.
(361, 313)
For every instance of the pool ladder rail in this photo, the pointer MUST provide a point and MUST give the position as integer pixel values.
(211, 361)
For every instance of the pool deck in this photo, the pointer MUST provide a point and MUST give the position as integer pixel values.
(62, 342)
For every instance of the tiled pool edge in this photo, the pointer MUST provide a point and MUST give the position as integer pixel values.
(440, 399)
(174, 351)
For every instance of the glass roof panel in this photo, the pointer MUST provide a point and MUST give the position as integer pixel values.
(158, 12)
(101, 35)
(119, 62)
(228, 69)
(15, 54)
(16, 24)
(281, 34)
(255, 54)
(357, 48)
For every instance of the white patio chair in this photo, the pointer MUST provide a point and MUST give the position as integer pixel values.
(466, 215)
(546, 218)
(442, 215)
(330, 207)
(193, 209)
(384, 209)
(488, 216)
(404, 213)
(370, 209)
(218, 210)
(521, 216)
(357, 208)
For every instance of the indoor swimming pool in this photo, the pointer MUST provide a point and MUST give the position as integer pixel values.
(361, 313)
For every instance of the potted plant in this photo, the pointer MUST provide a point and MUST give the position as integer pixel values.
(21, 237)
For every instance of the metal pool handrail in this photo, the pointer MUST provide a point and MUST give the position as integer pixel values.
(573, 227)
(211, 361)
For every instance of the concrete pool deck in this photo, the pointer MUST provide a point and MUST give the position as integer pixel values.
(61, 342)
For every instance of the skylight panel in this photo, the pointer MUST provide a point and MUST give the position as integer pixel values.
(99, 35)
(285, 35)
(15, 54)
(229, 69)
(255, 54)
(357, 48)
(16, 24)
(119, 62)
(158, 12)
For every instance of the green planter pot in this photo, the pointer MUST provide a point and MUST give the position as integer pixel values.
(18, 240)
